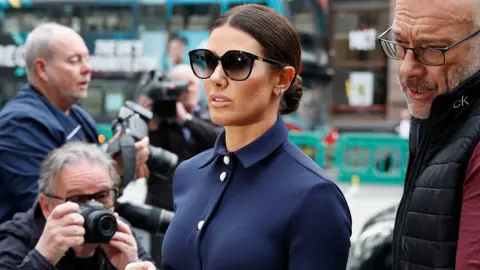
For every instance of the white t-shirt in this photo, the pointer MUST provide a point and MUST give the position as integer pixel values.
(404, 129)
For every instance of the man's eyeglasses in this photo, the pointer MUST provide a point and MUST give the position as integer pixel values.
(105, 197)
(427, 56)
(237, 65)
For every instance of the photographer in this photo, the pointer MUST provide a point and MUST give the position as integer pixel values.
(44, 114)
(59, 231)
(189, 134)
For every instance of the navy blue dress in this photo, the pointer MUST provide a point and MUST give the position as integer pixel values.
(267, 206)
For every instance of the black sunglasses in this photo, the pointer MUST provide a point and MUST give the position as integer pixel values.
(237, 65)
(105, 197)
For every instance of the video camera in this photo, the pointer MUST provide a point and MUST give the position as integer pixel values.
(163, 93)
(132, 125)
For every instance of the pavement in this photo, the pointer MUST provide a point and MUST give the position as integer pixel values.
(365, 200)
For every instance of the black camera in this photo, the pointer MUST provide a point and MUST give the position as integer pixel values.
(132, 123)
(100, 224)
(163, 93)
(151, 219)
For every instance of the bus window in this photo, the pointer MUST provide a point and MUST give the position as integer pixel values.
(8, 90)
(68, 15)
(24, 19)
(109, 19)
(304, 16)
(93, 104)
(194, 17)
(152, 18)
(232, 5)
(114, 99)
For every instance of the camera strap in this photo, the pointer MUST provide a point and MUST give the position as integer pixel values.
(127, 150)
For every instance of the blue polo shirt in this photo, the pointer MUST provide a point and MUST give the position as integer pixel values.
(265, 206)
(30, 128)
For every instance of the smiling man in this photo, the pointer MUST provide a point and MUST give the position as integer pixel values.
(437, 46)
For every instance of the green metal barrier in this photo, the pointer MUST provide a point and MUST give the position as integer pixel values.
(104, 132)
(311, 144)
(375, 158)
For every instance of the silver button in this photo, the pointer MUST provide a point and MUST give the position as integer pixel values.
(226, 160)
(200, 224)
(223, 175)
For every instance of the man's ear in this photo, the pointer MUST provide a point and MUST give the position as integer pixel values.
(40, 67)
(287, 77)
(45, 205)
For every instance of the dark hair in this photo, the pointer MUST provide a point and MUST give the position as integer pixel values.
(177, 36)
(278, 38)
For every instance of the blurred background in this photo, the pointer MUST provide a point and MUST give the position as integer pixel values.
(352, 115)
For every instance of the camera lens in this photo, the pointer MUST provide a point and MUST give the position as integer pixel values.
(107, 225)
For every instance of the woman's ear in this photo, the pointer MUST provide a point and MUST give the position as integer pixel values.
(286, 78)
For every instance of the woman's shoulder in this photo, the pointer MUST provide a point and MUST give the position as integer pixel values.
(303, 164)
(195, 162)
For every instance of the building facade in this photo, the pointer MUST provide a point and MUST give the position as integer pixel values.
(365, 90)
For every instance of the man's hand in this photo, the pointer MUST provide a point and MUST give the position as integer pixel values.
(142, 172)
(141, 266)
(63, 230)
(145, 102)
(141, 155)
(122, 248)
(182, 114)
(142, 152)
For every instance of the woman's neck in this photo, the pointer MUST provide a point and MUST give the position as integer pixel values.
(237, 137)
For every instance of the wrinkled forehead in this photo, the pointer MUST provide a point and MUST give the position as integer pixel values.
(427, 20)
(89, 176)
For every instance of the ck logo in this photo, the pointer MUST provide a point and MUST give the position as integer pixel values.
(461, 102)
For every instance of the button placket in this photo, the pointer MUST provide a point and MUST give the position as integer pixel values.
(200, 225)
(225, 170)
(224, 174)
(226, 160)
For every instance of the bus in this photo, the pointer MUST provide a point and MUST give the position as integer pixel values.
(109, 28)
(125, 37)
(190, 20)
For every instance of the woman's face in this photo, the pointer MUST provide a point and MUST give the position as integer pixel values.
(244, 102)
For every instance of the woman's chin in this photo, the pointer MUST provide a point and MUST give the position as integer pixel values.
(220, 119)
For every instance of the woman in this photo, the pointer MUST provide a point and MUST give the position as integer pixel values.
(254, 201)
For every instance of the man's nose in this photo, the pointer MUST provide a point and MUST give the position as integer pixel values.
(86, 68)
(411, 67)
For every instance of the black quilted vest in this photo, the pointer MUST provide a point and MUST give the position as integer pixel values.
(427, 223)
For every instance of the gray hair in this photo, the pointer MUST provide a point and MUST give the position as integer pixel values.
(180, 69)
(71, 153)
(38, 44)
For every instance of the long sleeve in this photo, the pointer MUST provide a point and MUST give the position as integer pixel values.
(321, 230)
(14, 255)
(206, 131)
(24, 143)
(468, 249)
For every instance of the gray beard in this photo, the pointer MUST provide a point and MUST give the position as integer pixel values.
(465, 71)
(468, 69)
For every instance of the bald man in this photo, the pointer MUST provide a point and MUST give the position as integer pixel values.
(44, 114)
(437, 46)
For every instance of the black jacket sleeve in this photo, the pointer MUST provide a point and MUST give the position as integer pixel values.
(15, 255)
(204, 130)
